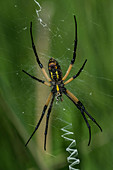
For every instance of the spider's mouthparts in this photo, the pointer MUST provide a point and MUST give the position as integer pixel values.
(59, 96)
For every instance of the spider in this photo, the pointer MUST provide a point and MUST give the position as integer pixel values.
(56, 81)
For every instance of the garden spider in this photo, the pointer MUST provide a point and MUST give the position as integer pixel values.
(56, 81)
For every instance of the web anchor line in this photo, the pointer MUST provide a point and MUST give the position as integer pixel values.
(72, 158)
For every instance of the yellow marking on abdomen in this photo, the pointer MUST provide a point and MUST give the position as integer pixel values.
(51, 75)
(57, 75)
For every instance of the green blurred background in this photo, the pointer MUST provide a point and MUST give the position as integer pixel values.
(22, 99)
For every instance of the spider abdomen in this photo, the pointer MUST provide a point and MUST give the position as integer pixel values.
(54, 70)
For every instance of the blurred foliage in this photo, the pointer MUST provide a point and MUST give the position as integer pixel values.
(22, 99)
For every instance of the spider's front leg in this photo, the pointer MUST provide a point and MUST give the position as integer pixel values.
(82, 109)
(75, 76)
(74, 52)
(35, 78)
(37, 58)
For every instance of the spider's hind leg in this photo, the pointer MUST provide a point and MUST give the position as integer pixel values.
(47, 120)
(89, 127)
(81, 107)
(40, 120)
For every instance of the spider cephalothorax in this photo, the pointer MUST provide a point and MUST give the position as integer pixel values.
(56, 82)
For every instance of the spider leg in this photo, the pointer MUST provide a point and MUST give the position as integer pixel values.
(41, 81)
(93, 119)
(87, 126)
(37, 58)
(81, 107)
(75, 42)
(43, 113)
(75, 76)
(74, 52)
(47, 120)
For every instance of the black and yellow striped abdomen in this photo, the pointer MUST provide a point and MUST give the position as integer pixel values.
(54, 70)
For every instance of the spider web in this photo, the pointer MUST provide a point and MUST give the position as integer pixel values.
(53, 33)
